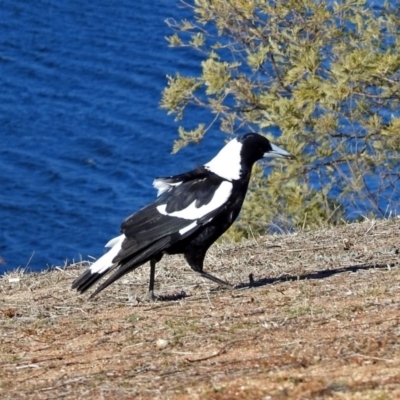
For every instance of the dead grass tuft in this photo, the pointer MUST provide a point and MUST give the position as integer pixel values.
(315, 316)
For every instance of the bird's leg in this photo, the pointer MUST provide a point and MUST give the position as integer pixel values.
(215, 279)
(196, 259)
(150, 297)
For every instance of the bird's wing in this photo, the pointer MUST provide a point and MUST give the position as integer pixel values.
(169, 182)
(177, 213)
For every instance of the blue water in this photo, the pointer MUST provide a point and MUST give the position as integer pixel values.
(82, 135)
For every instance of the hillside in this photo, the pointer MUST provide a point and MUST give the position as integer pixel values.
(320, 320)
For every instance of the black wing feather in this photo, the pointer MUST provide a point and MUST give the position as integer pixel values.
(200, 191)
(147, 231)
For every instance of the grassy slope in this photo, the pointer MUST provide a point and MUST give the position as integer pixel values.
(321, 321)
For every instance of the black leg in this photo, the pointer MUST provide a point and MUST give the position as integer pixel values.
(195, 258)
(150, 295)
(215, 279)
(152, 274)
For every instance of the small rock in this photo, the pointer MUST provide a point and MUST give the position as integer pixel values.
(161, 344)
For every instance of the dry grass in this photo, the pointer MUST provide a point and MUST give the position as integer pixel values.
(321, 320)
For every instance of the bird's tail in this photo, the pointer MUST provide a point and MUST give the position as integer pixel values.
(145, 255)
(99, 268)
(105, 264)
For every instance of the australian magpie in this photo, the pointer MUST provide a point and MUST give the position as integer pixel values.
(191, 212)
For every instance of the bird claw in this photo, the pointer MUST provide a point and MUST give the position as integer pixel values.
(150, 297)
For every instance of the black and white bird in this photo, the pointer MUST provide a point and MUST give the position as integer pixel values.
(191, 212)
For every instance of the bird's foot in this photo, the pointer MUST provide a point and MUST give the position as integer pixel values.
(150, 297)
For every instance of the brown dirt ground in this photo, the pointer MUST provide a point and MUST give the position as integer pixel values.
(321, 320)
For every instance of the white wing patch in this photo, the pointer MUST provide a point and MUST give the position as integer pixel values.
(162, 185)
(105, 262)
(188, 228)
(192, 212)
(227, 163)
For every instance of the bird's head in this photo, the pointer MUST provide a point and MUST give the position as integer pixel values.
(239, 155)
(255, 147)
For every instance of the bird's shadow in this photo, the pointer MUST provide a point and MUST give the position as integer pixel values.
(326, 273)
(172, 296)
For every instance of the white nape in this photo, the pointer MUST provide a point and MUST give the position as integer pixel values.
(192, 212)
(226, 163)
(105, 262)
(162, 185)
